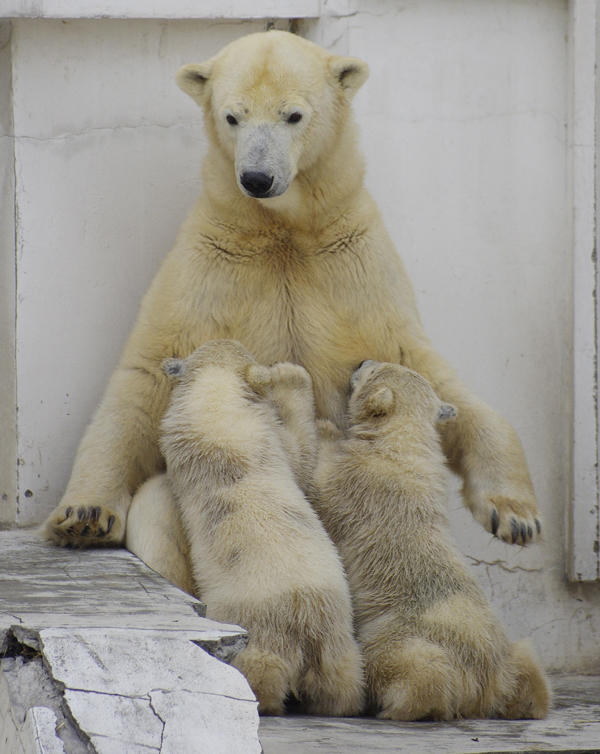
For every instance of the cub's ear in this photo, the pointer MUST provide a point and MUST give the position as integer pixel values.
(258, 377)
(446, 412)
(379, 402)
(174, 368)
(192, 78)
(350, 73)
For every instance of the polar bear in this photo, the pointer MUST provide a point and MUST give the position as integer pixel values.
(286, 252)
(431, 644)
(233, 435)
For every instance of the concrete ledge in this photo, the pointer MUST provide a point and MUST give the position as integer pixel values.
(101, 655)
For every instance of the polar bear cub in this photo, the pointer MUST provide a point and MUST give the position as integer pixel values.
(236, 438)
(431, 644)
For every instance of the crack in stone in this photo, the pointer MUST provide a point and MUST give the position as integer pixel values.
(501, 564)
(68, 575)
(163, 691)
(111, 738)
(162, 733)
(60, 137)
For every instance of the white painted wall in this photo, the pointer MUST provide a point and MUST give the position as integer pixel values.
(464, 125)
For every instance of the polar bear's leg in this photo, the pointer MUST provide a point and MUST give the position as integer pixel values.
(270, 677)
(483, 447)
(155, 534)
(334, 686)
(413, 680)
(530, 697)
(294, 398)
(118, 452)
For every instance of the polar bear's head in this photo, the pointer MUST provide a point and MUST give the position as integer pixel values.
(380, 391)
(274, 103)
(220, 355)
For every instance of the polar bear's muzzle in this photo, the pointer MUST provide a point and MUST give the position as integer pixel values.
(263, 163)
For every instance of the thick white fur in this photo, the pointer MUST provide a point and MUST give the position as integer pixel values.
(431, 644)
(308, 275)
(233, 436)
(155, 533)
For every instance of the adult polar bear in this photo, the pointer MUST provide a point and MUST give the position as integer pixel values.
(286, 252)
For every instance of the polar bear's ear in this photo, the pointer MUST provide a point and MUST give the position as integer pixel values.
(447, 411)
(379, 403)
(258, 377)
(350, 73)
(174, 368)
(192, 79)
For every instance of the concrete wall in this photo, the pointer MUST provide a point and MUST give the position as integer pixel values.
(464, 125)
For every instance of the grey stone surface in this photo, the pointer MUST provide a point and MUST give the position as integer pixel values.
(572, 726)
(102, 656)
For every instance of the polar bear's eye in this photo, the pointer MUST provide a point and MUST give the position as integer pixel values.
(231, 120)
(295, 118)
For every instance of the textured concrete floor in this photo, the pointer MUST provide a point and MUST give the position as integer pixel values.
(573, 726)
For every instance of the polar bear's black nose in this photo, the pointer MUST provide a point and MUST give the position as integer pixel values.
(257, 184)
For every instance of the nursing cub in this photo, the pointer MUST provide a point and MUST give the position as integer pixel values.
(238, 438)
(431, 643)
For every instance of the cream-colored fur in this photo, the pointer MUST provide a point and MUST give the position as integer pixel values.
(232, 436)
(155, 533)
(304, 273)
(431, 644)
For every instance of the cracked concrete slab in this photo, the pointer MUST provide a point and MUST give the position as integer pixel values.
(103, 656)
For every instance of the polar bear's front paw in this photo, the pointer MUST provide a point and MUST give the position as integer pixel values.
(511, 520)
(83, 526)
(291, 375)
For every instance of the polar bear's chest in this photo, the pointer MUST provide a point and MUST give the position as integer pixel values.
(316, 311)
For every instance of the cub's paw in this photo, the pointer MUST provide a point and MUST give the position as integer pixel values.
(510, 520)
(270, 677)
(328, 431)
(291, 375)
(83, 526)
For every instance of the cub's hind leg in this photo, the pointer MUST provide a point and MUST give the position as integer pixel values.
(531, 696)
(413, 679)
(333, 682)
(270, 676)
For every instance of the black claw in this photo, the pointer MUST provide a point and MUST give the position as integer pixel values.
(95, 514)
(495, 522)
(111, 522)
(538, 526)
(80, 514)
(529, 531)
(69, 512)
(523, 533)
(514, 529)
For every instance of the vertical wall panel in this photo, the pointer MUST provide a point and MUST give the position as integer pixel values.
(8, 444)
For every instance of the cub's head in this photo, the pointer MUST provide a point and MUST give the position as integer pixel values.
(220, 356)
(380, 392)
(274, 103)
